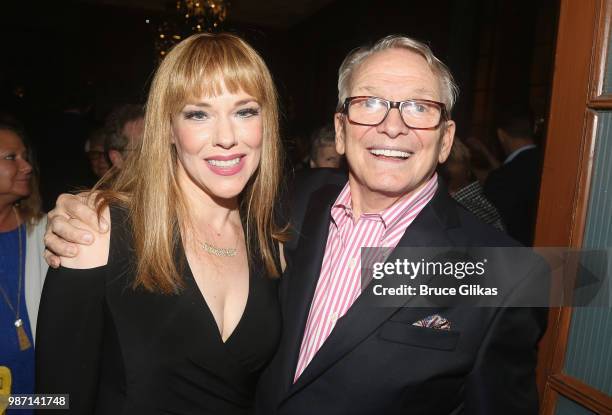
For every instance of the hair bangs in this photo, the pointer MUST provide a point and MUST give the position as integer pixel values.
(208, 68)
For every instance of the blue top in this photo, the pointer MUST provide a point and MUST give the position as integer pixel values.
(21, 363)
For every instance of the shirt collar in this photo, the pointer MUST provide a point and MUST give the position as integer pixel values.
(342, 207)
(516, 152)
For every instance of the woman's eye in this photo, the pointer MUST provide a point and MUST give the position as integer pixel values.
(10, 157)
(248, 112)
(195, 115)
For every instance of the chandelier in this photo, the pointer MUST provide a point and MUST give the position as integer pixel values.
(186, 17)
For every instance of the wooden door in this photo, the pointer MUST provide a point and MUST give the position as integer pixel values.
(575, 208)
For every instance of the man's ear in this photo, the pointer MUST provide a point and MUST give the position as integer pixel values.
(504, 140)
(339, 126)
(116, 158)
(502, 136)
(446, 141)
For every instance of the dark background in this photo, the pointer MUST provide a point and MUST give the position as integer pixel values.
(500, 51)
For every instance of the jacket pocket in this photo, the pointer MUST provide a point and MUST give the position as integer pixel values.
(419, 336)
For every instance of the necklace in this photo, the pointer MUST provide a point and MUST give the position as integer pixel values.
(22, 336)
(216, 251)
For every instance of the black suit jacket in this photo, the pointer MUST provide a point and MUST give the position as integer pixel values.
(375, 361)
(514, 188)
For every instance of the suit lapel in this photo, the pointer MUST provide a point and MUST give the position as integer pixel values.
(367, 314)
(305, 266)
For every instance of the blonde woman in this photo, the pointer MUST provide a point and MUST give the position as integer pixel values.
(22, 267)
(175, 310)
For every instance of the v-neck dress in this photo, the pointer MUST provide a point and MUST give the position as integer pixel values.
(118, 350)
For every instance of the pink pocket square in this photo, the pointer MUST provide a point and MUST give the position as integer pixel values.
(435, 321)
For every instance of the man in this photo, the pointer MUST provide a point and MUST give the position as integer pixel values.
(465, 188)
(323, 150)
(514, 187)
(340, 351)
(94, 148)
(125, 126)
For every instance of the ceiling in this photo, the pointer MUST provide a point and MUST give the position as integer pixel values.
(266, 13)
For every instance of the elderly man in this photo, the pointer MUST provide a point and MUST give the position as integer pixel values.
(340, 351)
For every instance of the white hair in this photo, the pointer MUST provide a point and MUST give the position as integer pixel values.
(357, 56)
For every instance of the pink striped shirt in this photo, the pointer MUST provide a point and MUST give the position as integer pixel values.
(339, 283)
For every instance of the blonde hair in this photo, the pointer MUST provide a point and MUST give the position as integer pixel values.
(201, 65)
(448, 87)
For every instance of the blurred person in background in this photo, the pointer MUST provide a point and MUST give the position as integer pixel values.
(515, 185)
(465, 188)
(125, 127)
(94, 147)
(22, 267)
(323, 149)
(482, 159)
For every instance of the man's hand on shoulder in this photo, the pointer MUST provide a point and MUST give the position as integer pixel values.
(71, 223)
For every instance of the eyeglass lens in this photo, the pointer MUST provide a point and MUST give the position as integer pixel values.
(372, 111)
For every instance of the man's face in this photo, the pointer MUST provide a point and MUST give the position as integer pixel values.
(327, 156)
(133, 130)
(397, 75)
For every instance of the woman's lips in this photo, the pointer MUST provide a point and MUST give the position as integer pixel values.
(226, 165)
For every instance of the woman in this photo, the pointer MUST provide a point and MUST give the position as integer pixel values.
(175, 310)
(22, 268)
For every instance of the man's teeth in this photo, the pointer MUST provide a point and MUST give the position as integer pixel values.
(390, 153)
(224, 163)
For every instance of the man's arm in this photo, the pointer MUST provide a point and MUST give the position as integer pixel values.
(71, 223)
(503, 378)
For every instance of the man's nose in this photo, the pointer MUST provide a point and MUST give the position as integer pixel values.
(393, 125)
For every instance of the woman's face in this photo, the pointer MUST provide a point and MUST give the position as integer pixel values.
(218, 142)
(15, 170)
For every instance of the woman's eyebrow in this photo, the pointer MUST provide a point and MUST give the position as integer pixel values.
(199, 104)
(207, 105)
(246, 101)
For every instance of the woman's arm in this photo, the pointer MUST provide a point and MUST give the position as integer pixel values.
(70, 327)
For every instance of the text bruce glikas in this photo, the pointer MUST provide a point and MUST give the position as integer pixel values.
(413, 269)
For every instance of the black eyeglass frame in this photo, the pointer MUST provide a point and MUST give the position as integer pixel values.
(395, 104)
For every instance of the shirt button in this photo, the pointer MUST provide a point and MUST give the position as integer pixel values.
(333, 317)
(352, 263)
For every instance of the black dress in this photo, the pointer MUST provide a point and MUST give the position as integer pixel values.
(117, 350)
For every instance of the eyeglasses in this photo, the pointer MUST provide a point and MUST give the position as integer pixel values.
(418, 114)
